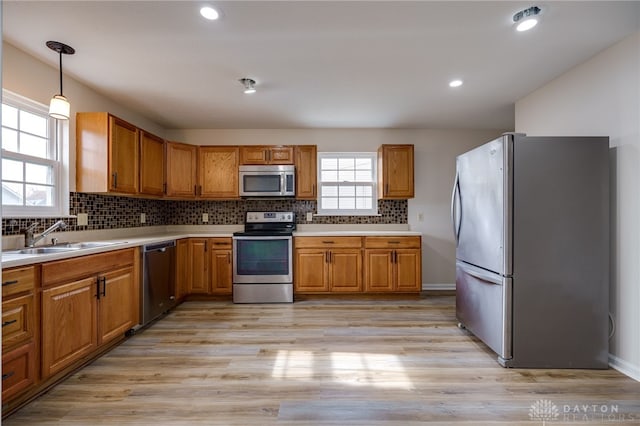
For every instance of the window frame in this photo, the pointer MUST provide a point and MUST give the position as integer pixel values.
(373, 156)
(56, 132)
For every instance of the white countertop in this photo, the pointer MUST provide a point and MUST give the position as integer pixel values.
(134, 237)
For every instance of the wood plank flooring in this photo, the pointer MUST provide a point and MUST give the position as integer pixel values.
(323, 362)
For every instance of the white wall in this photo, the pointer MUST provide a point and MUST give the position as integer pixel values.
(435, 152)
(602, 97)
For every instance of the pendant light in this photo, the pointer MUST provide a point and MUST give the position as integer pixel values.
(59, 107)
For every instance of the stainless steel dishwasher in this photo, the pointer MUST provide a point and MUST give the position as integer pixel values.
(159, 280)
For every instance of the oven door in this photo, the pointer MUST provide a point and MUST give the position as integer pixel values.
(262, 259)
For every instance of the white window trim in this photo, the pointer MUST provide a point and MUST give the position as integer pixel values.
(374, 185)
(60, 131)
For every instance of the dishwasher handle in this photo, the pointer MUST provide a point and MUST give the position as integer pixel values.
(161, 246)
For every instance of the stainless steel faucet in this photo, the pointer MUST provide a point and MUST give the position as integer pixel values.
(30, 239)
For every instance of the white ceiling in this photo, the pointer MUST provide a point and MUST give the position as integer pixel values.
(318, 63)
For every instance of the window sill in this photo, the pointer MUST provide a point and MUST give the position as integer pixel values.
(347, 214)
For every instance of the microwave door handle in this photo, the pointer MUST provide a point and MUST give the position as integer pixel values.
(283, 183)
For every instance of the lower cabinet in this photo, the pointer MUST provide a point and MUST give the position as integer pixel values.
(393, 264)
(326, 265)
(87, 302)
(20, 331)
(209, 265)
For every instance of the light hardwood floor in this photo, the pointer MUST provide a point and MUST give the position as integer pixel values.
(323, 361)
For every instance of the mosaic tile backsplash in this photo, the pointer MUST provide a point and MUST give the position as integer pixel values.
(111, 212)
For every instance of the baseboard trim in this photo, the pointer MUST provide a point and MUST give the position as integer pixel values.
(626, 368)
(441, 286)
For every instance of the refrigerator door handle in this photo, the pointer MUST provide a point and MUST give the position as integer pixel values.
(455, 212)
(487, 277)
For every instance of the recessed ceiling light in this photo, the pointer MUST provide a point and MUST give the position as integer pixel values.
(209, 13)
(526, 19)
(455, 83)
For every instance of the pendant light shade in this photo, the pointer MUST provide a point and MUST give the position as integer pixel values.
(59, 108)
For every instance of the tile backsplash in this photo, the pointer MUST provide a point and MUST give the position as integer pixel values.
(111, 212)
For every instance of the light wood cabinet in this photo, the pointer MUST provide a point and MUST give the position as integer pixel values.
(266, 154)
(20, 331)
(152, 164)
(87, 302)
(393, 264)
(183, 268)
(395, 172)
(218, 172)
(331, 264)
(306, 172)
(181, 170)
(210, 266)
(107, 151)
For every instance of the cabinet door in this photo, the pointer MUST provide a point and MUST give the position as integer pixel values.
(280, 155)
(379, 274)
(151, 164)
(221, 272)
(396, 162)
(311, 270)
(257, 154)
(408, 267)
(346, 270)
(199, 282)
(116, 305)
(306, 172)
(218, 172)
(183, 268)
(181, 170)
(69, 329)
(123, 147)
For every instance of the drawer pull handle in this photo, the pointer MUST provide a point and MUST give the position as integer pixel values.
(7, 375)
(394, 242)
(328, 242)
(220, 244)
(9, 282)
(6, 323)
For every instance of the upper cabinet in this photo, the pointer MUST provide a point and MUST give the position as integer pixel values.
(306, 171)
(218, 172)
(152, 164)
(395, 172)
(106, 154)
(181, 170)
(266, 154)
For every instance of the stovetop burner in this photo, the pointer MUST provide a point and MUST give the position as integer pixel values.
(268, 223)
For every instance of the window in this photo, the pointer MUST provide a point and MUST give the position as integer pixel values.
(31, 165)
(347, 183)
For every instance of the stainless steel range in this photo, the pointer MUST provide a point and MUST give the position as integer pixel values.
(263, 258)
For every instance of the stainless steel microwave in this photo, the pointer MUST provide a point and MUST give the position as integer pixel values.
(267, 181)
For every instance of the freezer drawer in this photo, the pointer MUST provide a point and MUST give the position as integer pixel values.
(483, 306)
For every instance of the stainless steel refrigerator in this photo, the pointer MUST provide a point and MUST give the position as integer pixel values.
(531, 224)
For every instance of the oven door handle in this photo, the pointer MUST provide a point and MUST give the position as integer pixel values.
(263, 237)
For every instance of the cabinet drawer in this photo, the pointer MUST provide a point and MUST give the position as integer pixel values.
(18, 280)
(220, 243)
(18, 370)
(328, 242)
(85, 266)
(392, 242)
(17, 320)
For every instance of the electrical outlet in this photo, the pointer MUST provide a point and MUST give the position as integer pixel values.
(83, 219)
(205, 217)
(420, 217)
(309, 216)
(143, 218)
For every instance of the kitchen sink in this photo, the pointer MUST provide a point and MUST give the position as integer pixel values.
(42, 250)
(62, 247)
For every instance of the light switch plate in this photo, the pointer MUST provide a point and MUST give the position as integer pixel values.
(83, 219)
(309, 216)
(205, 217)
(143, 218)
